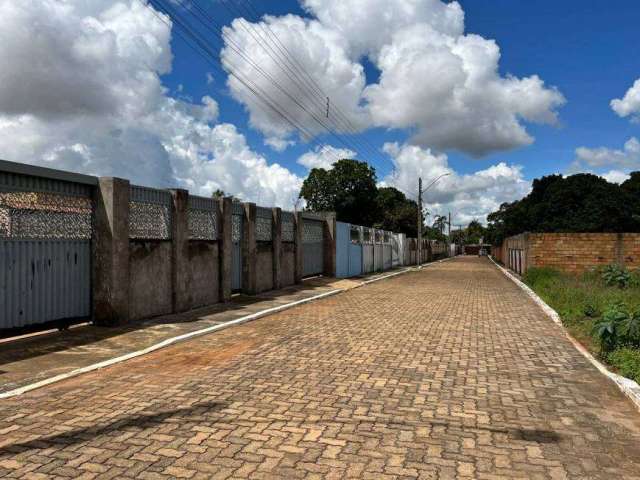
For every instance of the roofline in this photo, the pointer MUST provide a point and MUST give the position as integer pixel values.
(26, 169)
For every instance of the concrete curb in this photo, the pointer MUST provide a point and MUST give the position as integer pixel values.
(187, 336)
(163, 344)
(630, 388)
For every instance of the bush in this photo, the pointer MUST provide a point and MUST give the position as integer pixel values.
(603, 315)
(608, 330)
(616, 276)
(627, 362)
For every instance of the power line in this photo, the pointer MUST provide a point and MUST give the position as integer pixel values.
(210, 57)
(345, 123)
(192, 31)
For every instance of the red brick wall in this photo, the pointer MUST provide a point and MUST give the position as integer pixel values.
(572, 252)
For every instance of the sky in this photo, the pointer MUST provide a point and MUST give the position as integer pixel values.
(490, 94)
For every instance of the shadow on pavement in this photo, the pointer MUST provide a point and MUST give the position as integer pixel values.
(138, 421)
(85, 335)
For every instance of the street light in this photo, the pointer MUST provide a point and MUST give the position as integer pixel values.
(420, 192)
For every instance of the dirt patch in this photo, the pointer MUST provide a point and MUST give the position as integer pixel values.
(188, 356)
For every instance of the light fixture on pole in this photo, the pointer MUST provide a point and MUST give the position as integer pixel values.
(420, 192)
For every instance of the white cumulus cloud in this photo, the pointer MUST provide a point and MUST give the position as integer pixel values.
(468, 196)
(325, 156)
(438, 81)
(629, 105)
(628, 157)
(80, 89)
(615, 176)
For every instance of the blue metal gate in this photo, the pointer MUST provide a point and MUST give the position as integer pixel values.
(237, 233)
(312, 246)
(45, 245)
(348, 250)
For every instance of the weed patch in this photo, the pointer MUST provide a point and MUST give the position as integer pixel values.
(600, 308)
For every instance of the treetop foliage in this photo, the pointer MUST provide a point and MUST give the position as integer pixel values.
(578, 203)
(350, 189)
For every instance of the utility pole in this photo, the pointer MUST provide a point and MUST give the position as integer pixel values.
(418, 257)
(449, 237)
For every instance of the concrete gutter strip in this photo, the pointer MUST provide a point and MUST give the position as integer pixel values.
(630, 388)
(188, 336)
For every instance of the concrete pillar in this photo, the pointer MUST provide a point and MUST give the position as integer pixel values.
(180, 297)
(249, 250)
(276, 243)
(298, 246)
(329, 249)
(225, 246)
(111, 252)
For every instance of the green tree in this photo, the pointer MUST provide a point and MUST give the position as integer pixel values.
(440, 223)
(632, 187)
(475, 232)
(398, 213)
(349, 189)
(218, 194)
(578, 203)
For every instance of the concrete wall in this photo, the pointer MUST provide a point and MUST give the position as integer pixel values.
(264, 266)
(288, 264)
(150, 291)
(136, 279)
(203, 274)
(571, 252)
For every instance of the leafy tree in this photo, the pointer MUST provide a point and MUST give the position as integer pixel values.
(578, 203)
(349, 189)
(397, 212)
(440, 223)
(218, 194)
(475, 232)
(632, 187)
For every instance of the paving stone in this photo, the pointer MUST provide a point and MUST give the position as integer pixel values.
(450, 372)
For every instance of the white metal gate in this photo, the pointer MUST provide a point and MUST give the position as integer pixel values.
(45, 245)
(312, 246)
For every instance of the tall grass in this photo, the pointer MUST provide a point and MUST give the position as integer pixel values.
(581, 301)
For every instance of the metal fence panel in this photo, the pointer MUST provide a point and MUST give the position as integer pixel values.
(387, 261)
(46, 226)
(313, 247)
(343, 241)
(43, 281)
(202, 218)
(149, 213)
(367, 258)
(264, 224)
(355, 259)
(377, 258)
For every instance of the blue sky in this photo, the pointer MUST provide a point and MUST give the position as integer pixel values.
(581, 47)
(494, 93)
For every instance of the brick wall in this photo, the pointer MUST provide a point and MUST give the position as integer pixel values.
(569, 252)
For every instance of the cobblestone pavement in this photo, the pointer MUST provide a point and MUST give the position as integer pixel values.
(451, 372)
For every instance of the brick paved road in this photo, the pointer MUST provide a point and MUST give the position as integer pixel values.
(447, 373)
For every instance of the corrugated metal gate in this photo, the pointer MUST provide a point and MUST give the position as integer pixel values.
(367, 250)
(45, 246)
(348, 250)
(313, 246)
(377, 251)
(387, 254)
(237, 233)
(396, 248)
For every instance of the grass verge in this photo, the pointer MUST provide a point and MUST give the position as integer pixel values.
(600, 309)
